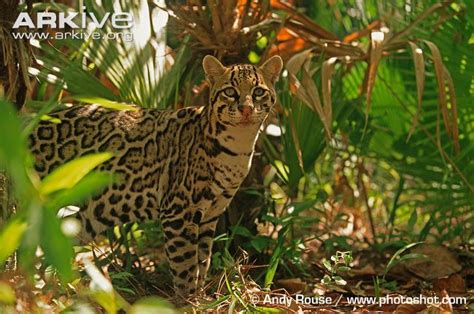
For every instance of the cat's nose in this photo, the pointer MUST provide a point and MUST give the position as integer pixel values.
(245, 109)
(245, 106)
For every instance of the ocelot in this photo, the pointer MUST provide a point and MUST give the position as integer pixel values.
(180, 166)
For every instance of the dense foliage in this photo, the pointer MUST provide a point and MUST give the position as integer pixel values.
(369, 150)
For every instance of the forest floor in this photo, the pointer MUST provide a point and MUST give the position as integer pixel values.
(421, 277)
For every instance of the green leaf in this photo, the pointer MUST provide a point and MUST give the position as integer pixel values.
(412, 220)
(240, 230)
(262, 42)
(106, 103)
(339, 281)
(343, 268)
(282, 169)
(102, 290)
(260, 243)
(152, 305)
(106, 299)
(348, 258)
(326, 279)
(253, 57)
(72, 75)
(121, 275)
(13, 152)
(301, 206)
(215, 303)
(426, 229)
(56, 246)
(46, 117)
(92, 184)
(169, 86)
(413, 256)
(68, 175)
(126, 290)
(10, 237)
(7, 295)
(471, 39)
(44, 109)
(275, 259)
(395, 259)
(377, 286)
(327, 265)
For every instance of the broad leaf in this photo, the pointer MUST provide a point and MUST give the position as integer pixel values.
(13, 152)
(10, 237)
(152, 305)
(68, 175)
(92, 184)
(57, 247)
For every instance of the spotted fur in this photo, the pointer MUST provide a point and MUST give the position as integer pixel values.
(180, 166)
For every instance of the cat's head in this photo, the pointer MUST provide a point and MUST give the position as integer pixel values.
(241, 95)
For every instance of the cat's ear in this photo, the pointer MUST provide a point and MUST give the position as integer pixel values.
(212, 67)
(272, 68)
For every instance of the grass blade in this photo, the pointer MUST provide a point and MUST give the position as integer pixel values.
(395, 258)
(275, 259)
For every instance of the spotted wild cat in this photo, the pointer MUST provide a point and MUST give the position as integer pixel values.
(180, 166)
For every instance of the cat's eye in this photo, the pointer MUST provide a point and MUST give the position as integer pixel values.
(258, 91)
(230, 91)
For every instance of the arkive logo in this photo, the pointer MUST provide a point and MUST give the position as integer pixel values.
(65, 19)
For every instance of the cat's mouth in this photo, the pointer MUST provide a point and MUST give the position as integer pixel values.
(240, 120)
(248, 121)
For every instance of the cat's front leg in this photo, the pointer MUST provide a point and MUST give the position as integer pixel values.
(181, 245)
(206, 238)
